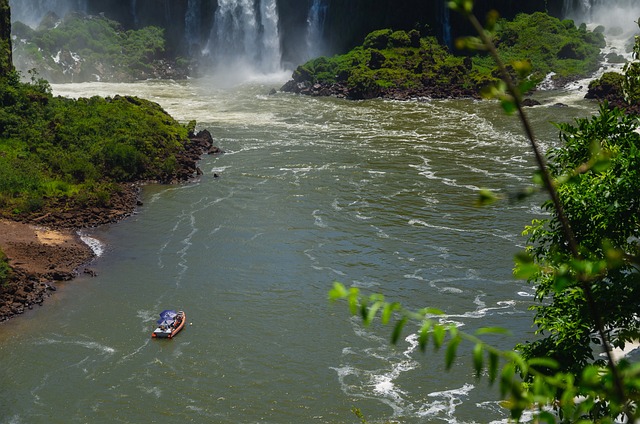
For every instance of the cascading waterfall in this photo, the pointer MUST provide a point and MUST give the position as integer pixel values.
(246, 36)
(610, 13)
(315, 28)
(134, 12)
(446, 26)
(270, 60)
(192, 24)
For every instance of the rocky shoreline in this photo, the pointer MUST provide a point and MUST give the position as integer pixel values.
(342, 91)
(45, 249)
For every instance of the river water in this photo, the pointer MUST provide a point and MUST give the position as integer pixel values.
(374, 194)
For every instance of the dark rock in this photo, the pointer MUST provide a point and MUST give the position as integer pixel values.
(377, 59)
(530, 102)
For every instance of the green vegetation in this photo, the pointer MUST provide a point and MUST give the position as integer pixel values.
(397, 60)
(75, 153)
(80, 47)
(584, 262)
(6, 64)
(389, 60)
(5, 269)
(549, 44)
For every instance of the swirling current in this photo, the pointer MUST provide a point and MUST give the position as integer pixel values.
(375, 194)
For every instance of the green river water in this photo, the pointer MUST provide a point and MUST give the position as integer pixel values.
(374, 194)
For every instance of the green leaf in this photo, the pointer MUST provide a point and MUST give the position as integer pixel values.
(371, 313)
(486, 197)
(452, 350)
(423, 337)
(431, 311)
(478, 358)
(508, 104)
(494, 360)
(438, 335)
(354, 300)
(388, 310)
(546, 417)
(338, 291)
(525, 270)
(492, 330)
(397, 330)
(544, 362)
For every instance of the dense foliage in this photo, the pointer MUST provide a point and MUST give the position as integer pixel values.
(81, 48)
(549, 44)
(389, 60)
(55, 149)
(600, 162)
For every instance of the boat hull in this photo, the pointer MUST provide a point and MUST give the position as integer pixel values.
(159, 333)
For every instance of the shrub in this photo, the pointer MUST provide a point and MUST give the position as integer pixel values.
(377, 39)
(5, 269)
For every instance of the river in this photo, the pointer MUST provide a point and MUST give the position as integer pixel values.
(374, 194)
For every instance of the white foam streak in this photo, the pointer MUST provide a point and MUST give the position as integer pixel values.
(96, 245)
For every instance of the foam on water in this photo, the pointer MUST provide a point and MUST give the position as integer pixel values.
(96, 245)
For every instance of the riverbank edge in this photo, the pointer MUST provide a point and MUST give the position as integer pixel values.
(45, 250)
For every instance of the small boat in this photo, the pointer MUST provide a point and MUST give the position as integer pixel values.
(169, 324)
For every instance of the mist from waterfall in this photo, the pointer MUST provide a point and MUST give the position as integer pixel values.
(245, 39)
(315, 28)
(32, 12)
(617, 16)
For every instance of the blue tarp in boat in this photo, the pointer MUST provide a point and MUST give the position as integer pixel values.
(167, 317)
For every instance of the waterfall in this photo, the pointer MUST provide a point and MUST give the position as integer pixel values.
(192, 24)
(446, 27)
(134, 12)
(315, 28)
(270, 61)
(245, 36)
(619, 14)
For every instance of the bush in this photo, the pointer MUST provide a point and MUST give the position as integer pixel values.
(5, 269)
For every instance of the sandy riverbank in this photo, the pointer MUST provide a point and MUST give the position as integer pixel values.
(39, 257)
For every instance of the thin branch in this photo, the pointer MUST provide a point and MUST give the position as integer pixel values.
(566, 226)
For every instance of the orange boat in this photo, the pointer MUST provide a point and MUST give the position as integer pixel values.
(169, 324)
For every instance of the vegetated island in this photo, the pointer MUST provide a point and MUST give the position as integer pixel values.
(69, 164)
(404, 65)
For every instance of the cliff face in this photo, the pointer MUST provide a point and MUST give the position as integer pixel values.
(6, 62)
(344, 23)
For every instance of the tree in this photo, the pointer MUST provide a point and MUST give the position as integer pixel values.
(6, 61)
(584, 263)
